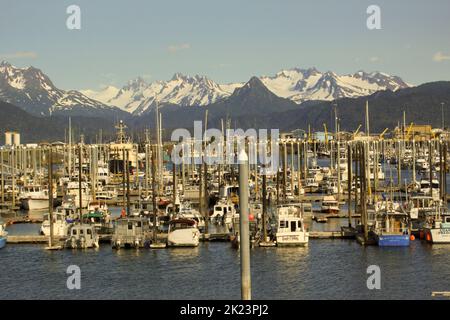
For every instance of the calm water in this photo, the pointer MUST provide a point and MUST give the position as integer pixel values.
(327, 269)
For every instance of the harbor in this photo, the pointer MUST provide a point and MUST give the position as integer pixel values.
(337, 203)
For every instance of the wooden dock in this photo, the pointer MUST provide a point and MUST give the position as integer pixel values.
(36, 239)
(326, 235)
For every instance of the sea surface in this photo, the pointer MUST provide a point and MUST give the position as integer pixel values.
(326, 269)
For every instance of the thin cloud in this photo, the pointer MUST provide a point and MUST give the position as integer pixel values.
(439, 57)
(374, 59)
(178, 47)
(19, 55)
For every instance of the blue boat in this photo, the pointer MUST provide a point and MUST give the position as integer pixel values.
(3, 235)
(393, 240)
(392, 229)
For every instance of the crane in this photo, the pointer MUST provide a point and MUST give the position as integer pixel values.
(356, 131)
(409, 130)
(383, 133)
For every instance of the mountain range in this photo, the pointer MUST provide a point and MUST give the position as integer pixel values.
(298, 85)
(31, 104)
(33, 91)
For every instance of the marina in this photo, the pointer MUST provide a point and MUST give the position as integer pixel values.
(323, 201)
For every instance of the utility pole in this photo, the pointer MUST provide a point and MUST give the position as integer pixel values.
(80, 195)
(244, 227)
(128, 183)
(50, 195)
(349, 182)
(264, 204)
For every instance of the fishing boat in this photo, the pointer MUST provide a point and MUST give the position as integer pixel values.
(60, 225)
(73, 190)
(311, 185)
(392, 229)
(419, 209)
(3, 234)
(131, 232)
(431, 190)
(105, 195)
(438, 229)
(223, 211)
(379, 172)
(330, 205)
(34, 198)
(290, 229)
(82, 236)
(183, 233)
(187, 212)
(98, 216)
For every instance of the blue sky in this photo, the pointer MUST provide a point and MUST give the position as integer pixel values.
(226, 40)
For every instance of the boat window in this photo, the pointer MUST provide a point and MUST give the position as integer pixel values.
(88, 231)
(138, 224)
(130, 226)
(299, 224)
(74, 232)
(283, 224)
(81, 231)
(293, 226)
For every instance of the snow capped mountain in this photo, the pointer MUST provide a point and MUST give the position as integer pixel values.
(30, 89)
(298, 85)
(138, 95)
(301, 85)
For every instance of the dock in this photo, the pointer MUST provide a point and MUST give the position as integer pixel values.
(40, 239)
(326, 235)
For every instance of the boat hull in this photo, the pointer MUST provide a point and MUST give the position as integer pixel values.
(437, 235)
(35, 204)
(330, 210)
(59, 229)
(292, 240)
(391, 240)
(184, 238)
(2, 242)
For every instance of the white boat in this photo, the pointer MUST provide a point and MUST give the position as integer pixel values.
(426, 190)
(184, 210)
(105, 195)
(311, 183)
(332, 187)
(60, 225)
(330, 205)
(82, 236)
(221, 210)
(380, 172)
(290, 227)
(183, 233)
(73, 190)
(3, 234)
(439, 230)
(34, 198)
(422, 164)
(131, 232)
